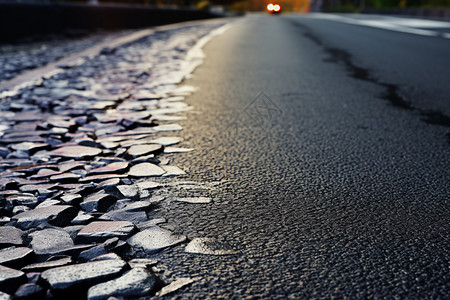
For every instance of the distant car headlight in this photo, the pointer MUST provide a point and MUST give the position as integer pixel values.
(273, 8)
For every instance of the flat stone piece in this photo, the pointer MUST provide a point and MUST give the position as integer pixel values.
(166, 141)
(128, 191)
(142, 262)
(65, 177)
(76, 152)
(176, 150)
(154, 239)
(39, 267)
(10, 236)
(5, 296)
(58, 215)
(11, 279)
(145, 170)
(148, 185)
(82, 274)
(209, 246)
(50, 241)
(137, 282)
(102, 230)
(143, 149)
(167, 127)
(194, 200)
(172, 171)
(16, 257)
(30, 291)
(116, 167)
(174, 286)
(29, 146)
(99, 202)
(101, 177)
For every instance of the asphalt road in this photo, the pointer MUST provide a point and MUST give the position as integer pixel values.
(334, 185)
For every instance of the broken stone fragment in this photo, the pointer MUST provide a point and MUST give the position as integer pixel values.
(50, 241)
(29, 291)
(76, 152)
(10, 236)
(11, 279)
(99, 202)
(82, 275)
(174, 286)
(40, 267)
(16, 257)
(102, 230)
(137, 282)
(154, 239)
(116, 167)
(144, 149)
(210, 246)
(145, 170)
(58, 215)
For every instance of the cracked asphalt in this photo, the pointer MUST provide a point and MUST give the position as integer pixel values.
(329, 145)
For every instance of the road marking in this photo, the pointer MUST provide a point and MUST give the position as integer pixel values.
(392, 23)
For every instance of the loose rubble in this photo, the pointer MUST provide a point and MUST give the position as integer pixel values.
(84, 165)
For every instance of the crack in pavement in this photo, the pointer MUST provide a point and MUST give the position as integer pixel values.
(391, 91)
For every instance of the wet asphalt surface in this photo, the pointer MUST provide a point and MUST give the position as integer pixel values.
(334, 181)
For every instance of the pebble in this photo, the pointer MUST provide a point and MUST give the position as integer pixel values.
(174, 286)
(145, 170)
(117, 167)
(137, 282)
(209, 246)
(144, 149)
(99, 202)
(154, 239)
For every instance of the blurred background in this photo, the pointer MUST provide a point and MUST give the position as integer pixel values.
(259, 5)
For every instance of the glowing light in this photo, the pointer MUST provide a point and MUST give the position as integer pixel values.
(270, 7)
(276, 7)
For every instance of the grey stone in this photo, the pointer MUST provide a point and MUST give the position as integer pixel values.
(77, 152)
(209, 246)
(10, 236)
(145, 170)
(101, 177)
(129, 191)
(99, 202)
(16, 257)
(144, 149)
(40, 267)
(5, 296)
(11, 279)
(98, 250)
(116, 167)
(63, 278)
(107, 256)
(137, 282)
(166, 141)
(50, 241)
(71, 198)
(154, 239)
(82, 219)
(174, 286)
(142, 262)
(58, 215)
(29, 291)
(172, 171)
(103, 230)
(194, 200)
